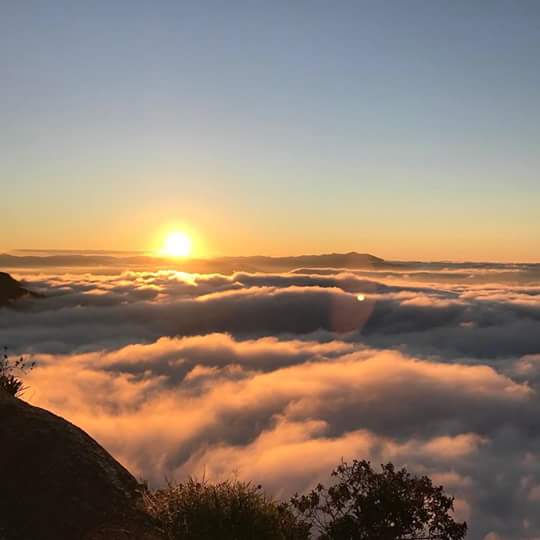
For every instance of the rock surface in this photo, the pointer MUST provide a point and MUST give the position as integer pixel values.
(11, 289)
(58, 483)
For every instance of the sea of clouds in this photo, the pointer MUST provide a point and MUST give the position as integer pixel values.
(275, 377)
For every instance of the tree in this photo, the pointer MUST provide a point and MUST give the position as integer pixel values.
(392, 504)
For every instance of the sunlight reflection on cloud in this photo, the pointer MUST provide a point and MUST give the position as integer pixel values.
(276, 376)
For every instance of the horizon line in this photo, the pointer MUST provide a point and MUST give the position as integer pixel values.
(149, 254)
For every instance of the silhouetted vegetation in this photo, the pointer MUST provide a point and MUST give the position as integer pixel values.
(230, 510)
(10, 373)
(361, 504)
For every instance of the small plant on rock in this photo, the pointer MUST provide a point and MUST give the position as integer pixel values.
(10, 374)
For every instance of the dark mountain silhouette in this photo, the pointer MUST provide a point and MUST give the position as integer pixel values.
(219, 264)
(11, 290)
(331, 260)
(60, 484)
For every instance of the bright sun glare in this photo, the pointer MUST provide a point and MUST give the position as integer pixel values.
(177, 244)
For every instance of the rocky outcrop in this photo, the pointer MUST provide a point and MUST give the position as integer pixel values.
(58, 483)
(11, 290)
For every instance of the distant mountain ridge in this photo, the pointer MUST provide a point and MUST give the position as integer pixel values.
(258, 263)
(330, 260)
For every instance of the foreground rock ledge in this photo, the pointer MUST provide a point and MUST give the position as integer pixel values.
(58, 483)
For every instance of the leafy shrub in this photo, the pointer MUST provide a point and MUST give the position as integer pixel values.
(10, 371)
(230, 510)
(389, 505)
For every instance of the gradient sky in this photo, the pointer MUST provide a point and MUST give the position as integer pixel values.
(409, 129)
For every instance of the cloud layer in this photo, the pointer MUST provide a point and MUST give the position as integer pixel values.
(275, 377)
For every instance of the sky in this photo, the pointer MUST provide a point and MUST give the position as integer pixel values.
(410, 130)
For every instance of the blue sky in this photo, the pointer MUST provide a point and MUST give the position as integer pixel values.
(408, 129)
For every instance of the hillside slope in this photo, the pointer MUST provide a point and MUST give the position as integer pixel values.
(58, 483)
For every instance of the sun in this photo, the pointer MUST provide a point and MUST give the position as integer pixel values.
(177, 244)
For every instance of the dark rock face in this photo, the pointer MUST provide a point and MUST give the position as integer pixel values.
(57, 483)
(10, 290)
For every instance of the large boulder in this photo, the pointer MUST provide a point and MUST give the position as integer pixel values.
(57, 483)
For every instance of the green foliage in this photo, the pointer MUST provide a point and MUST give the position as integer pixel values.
(389, 505)
(230, 510)
(10, 371)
